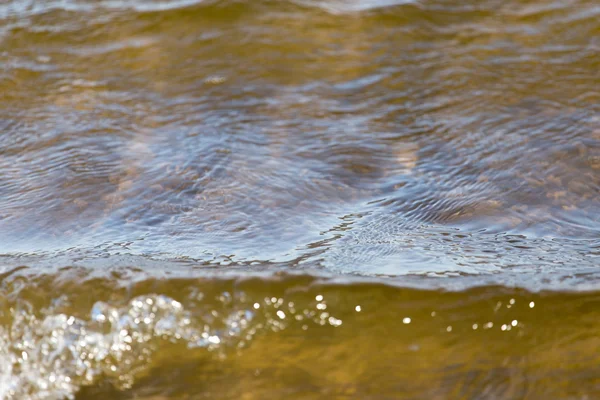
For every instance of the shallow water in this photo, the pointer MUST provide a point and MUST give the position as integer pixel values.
(196, 196)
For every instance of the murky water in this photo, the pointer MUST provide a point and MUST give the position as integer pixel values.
(299, 199)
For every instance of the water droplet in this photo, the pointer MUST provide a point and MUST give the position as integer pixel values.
(214, 80)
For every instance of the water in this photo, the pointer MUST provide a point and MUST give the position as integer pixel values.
(299, 199)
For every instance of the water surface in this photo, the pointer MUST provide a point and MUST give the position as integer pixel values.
(175, 174)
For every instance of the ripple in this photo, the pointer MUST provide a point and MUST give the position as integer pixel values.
(419, 140)
(223, 199)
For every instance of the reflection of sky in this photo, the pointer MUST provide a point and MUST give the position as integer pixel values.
(265, 141)
(344, 6)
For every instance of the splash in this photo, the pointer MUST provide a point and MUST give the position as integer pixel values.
(52, 356)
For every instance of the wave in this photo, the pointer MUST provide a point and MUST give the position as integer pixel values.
(28, 8)
(70, 335)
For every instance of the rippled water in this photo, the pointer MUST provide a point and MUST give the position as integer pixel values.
(299, 199)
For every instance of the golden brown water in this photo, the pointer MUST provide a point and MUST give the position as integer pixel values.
(299, 199)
